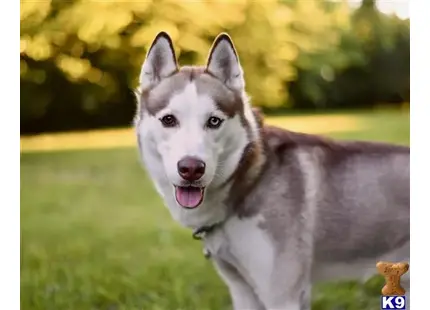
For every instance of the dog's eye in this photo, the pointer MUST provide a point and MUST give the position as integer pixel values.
(169, 121)
(214, 122)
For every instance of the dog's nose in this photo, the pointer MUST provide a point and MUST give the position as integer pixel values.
(191, 168)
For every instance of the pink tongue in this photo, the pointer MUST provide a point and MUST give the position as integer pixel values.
(189, 197)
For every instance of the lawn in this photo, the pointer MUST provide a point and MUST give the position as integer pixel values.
(96, 236)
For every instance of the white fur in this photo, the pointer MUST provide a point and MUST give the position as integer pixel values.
(260, 282)
(244, 245)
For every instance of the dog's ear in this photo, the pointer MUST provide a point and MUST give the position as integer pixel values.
(160, 61)
(224, 64)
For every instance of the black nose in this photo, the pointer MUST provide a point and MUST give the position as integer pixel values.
(191, 168)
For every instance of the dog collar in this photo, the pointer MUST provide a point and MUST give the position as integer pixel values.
(202, 232)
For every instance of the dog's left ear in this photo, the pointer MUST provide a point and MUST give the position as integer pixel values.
(224, 64)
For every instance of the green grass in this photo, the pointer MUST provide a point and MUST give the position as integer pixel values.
(95, 235)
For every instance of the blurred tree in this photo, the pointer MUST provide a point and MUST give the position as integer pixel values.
(323, 52)
(80, 59)
(374, 54)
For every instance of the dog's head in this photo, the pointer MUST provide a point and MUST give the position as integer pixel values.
(197, 120)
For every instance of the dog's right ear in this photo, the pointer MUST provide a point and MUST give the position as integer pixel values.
(160, 61)
(224, 64)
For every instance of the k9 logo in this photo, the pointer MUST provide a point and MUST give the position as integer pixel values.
(393, 302)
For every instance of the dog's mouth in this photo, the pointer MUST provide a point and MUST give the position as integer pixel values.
(189, 197)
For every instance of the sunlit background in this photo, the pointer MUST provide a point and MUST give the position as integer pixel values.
(94, 233)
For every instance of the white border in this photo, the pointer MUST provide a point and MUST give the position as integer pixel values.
(420, 155)
(10, 157)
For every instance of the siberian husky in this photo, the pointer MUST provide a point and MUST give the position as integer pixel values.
(276, 210)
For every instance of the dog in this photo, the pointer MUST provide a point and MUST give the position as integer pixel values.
(276, 210)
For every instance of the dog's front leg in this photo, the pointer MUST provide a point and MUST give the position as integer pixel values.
(242, 294)
(299, 300)
(290, 286)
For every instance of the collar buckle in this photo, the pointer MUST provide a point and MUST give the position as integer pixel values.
(198, 234)
(201, 232)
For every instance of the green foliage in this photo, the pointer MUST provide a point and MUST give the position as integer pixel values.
(80, 59)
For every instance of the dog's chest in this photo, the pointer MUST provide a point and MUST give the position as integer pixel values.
(245, 246)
